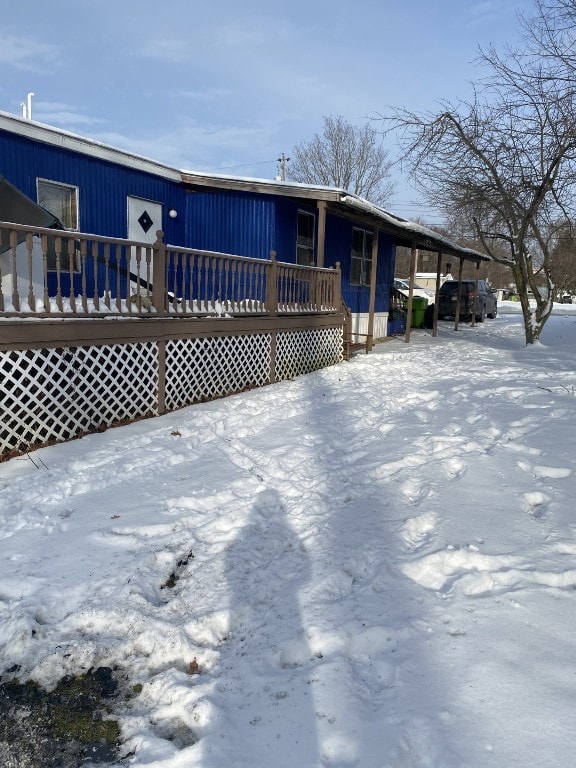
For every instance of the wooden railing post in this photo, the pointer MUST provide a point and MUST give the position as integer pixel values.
(159, 274)
(337, 299)
(15, 293)
(272, 286)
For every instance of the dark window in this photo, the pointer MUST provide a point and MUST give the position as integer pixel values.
(305, 239)
(361, 258)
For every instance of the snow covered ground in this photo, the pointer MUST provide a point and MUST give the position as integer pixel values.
(373, 565)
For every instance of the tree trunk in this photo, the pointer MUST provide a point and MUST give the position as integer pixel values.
(534, 317)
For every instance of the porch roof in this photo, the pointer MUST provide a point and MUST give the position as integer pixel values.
(403, 232)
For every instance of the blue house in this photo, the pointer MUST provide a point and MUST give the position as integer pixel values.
(98, 189)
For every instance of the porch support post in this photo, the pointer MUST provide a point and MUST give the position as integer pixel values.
(321, 233)
(459, 295)
(413, 257)
(437, 294)
(373, 272)
(475, 303)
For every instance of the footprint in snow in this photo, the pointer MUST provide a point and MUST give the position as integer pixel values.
(415, 490)
(417, 531)
(535, 503)
(555, 473)
(453, 468)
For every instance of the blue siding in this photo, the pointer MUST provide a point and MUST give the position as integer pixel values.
(246, 224)
(339, 247)
(103, 186)
(243, 223)
(286, 227)
(231, 222)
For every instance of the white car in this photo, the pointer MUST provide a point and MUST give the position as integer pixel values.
(404, 287)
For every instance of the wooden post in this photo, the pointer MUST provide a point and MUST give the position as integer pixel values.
(413, 258)
(459, 294)
(373, 271)
(13, 246)
(437, 295)
(161, 404)
(159, 298)
(272, 286)
(347, 332)
(337, 299)
(475, 302)
(320, 245)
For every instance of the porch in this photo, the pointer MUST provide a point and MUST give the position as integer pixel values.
(96, 331)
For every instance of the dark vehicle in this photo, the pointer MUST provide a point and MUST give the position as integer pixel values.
(486, 302)
(566, 299)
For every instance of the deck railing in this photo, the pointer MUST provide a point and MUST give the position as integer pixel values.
(46, 272)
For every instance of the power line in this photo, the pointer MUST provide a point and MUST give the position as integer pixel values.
(243, 165)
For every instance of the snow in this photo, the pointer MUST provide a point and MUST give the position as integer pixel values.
(373, 565)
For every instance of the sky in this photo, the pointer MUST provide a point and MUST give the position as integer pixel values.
(371, 566)
(230, 86)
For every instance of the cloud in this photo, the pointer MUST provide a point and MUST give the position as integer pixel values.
(59, 114)
(192, 145)
(27, 54)
(485, 12)
(168, 50)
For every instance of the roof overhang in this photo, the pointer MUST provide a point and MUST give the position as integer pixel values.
(344, 203)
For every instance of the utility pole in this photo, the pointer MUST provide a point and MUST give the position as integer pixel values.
(282, 160)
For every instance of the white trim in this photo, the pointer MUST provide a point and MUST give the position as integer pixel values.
(71, 141)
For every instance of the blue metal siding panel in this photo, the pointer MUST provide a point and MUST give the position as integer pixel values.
(286, 227)
(232, 222)
(103, 186)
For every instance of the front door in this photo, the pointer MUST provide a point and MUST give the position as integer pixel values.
(144, 220)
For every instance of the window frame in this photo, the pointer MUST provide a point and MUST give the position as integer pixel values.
(75, 212)
(75, 216)
(361, 258)
(308, 247)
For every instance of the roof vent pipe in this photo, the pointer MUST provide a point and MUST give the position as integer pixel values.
(27, 108)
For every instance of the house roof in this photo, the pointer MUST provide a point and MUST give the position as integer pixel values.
(403, 231)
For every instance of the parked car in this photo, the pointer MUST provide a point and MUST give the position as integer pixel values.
(486, 301)
(566, 298)
(404, 287)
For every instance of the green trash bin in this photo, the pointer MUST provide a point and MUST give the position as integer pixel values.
(419, 305)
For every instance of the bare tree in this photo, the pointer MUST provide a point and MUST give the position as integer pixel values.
(504, 163)
(344, 156)
(564, 260)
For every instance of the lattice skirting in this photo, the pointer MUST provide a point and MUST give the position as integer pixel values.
(202, 369)
(299, 352)
(54, 395)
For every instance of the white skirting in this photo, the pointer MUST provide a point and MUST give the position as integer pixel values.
(360, 325)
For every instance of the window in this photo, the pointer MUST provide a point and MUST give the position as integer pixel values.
(305, 239)
(61, 200)
(361, 260)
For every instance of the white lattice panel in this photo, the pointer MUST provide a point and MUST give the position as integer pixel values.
(202, 369)
(300, 352)
(52, 395)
